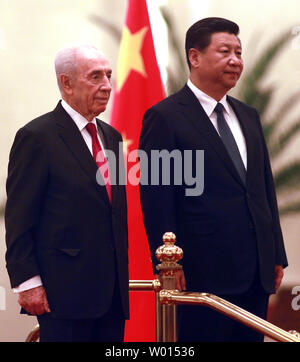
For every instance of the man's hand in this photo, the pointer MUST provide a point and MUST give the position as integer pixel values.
(278, 276)
(34, 301)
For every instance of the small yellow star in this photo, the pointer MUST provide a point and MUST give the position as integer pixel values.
(130, 57)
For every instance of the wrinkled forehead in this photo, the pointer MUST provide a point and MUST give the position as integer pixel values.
(91, 58)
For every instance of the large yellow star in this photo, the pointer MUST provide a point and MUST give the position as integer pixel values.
(130, 57)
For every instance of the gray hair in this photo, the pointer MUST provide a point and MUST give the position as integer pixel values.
(66, 62)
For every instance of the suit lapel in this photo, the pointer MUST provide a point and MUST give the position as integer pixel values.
(72, 137)
(194, 112)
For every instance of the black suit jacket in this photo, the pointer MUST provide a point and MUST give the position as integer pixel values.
(231, 229)
(59, 221)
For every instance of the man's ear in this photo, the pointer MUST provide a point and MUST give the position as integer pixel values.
(66, 83)
(194, 57)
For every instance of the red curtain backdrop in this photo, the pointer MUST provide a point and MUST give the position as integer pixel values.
(138, 87)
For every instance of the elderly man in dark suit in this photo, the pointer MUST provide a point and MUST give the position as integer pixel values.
(230, 232)
(66, 223)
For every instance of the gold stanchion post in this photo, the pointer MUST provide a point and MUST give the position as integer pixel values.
(168, 255)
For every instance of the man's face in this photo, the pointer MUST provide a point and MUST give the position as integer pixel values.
(91, 86)
(219, 66)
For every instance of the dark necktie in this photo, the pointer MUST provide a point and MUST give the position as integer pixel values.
(99, 156)
(229, 142)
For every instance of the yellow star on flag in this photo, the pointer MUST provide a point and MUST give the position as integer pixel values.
(130, 55)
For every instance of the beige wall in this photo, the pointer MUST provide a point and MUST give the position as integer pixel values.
(31, 31)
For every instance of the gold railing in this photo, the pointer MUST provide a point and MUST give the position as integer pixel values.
(231, 311)
(169, 255)
(167, 298)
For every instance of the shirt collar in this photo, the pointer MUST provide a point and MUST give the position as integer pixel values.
(208, 103)
(79, 120)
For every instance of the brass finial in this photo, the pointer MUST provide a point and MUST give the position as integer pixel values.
(168, 254)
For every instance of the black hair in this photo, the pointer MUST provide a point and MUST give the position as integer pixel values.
(199, 34)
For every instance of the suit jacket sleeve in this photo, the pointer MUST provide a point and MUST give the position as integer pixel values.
(157, 201)
(280, 254)
(26, 181)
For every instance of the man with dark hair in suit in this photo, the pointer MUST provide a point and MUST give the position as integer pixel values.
(66, 223)
(230, 231)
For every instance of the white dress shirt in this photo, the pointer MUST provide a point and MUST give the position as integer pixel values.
(208, 103)
(80, 122)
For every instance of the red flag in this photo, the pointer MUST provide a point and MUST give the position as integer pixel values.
(138, 87)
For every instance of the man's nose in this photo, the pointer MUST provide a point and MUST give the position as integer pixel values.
(235, 59)
(106, 84)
